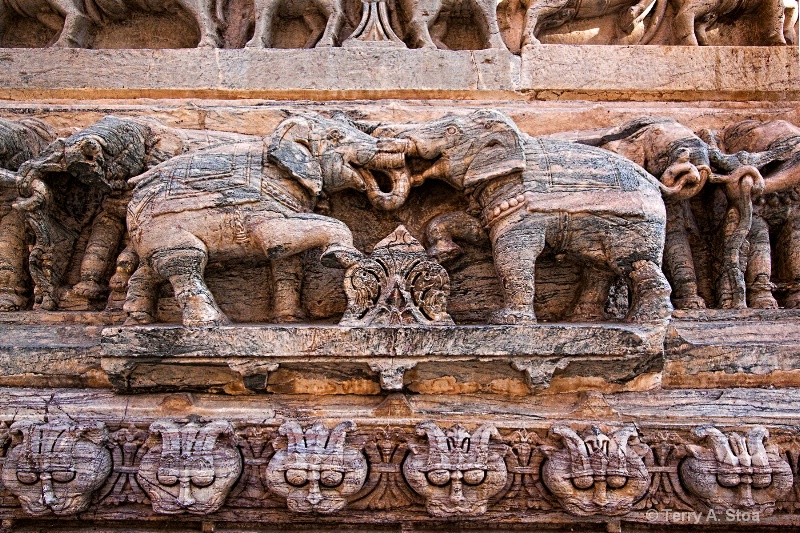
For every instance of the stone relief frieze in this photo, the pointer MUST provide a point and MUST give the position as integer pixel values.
(407, 23)
(585, 470)
(92, 222)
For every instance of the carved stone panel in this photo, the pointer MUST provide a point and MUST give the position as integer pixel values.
(192, 469)
(735, 471)
(316, 469)
(457, 472)
(598, 472)
(55, 467)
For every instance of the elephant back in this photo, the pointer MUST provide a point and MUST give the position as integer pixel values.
(558, 166)
(220, 176)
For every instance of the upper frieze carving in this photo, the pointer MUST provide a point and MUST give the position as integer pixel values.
(117, 214)
(442, 24)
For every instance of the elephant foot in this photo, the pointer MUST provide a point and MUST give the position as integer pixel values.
(651, 293)
(689, 302)
(89, 289)
(761, 300)
(512, 316)
(255, 43)
(339, 256)
(10, 301)
(290, 316)
(47, 304)
(139, 318)
(209, 42)
(200, 311)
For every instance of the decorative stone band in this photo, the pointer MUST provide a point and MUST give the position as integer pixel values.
(583, 469)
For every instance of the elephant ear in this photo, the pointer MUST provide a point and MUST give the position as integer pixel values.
(292, 148)
(499, 150)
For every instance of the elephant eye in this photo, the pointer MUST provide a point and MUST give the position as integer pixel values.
(334, 135)
(451, 130)
(27, 478)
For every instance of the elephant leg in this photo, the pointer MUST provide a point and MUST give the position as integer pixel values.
(678, 260)
(77, 26)
(515, 248)
(788, 245)
(265, 14)
(284, 237)
(683, 25)
(107, 231)
(127, 262)
(13, 275)
(759, 267)
(184, 267)
(5, 21)
(141, 301)
(789, 21)
(288, 276)
(316, 24)
(730, 284)
(488, 10)
(650, 293)
(202, 13)
(418, 27)
(531, 21)
(593, 294)
(772, 16)
(335, 13)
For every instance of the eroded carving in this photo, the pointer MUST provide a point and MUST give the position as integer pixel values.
(397, 284)
(192, 468)
(456, 472)
(598, 472)
(735, 471)
(232, 202)
(55, 467)
(316, 469)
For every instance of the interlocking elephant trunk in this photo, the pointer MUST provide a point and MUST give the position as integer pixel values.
(389, 158)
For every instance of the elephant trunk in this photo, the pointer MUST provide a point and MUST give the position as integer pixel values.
(388, 201)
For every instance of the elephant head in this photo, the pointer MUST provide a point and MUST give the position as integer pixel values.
(466, 151)
(333, 154)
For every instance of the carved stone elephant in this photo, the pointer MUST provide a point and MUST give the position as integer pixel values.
(693, 17)
(546, 14)
(74, 20)
(587, 203)
(19, 141)
(324, 17)
(427, 20)
(250, 200)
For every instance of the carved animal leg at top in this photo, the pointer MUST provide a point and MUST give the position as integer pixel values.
(333, 10)
(285, 237)
(183, 265)
(202, 11)
(107, 231)
(265, 11)
(77, 26)
(679, 261)
(488, 18)
(790, 15)
(316, 24)
(683, 24)
(516, 247)
(13, 249)
(771, 17)
(759, 267)
(593, 294)
(141, 302)
(288, 276)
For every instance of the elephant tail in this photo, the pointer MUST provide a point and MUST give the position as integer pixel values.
(655, 22)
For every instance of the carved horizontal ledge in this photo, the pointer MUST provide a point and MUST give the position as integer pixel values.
(544, 72)
(339, 360)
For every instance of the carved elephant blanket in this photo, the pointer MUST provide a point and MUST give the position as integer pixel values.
(220, 176)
